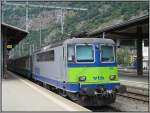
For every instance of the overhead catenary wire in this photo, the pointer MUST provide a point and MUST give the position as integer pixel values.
(27, 5)
(44, 6)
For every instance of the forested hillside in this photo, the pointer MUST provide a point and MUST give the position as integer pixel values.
(98, 15)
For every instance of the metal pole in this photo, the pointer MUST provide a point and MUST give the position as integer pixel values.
(40, 29)
(103, 35)
(40, 35)
(1, 55)
(3, 14)
(33, 48)
(19, 50)
(27, 8)
(62, 21)
(30, 49)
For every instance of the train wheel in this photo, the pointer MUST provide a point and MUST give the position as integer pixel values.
(62, 92)
(87, 100)
(72, 96)
(40, 83)
(106, 100)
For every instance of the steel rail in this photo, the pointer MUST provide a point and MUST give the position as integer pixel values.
(138, 97)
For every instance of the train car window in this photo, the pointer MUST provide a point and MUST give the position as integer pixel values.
(52, 55)
(45, 56)
(84, 53)
(70, 53)
(107, 53)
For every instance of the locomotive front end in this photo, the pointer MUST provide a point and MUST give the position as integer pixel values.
(92, 67)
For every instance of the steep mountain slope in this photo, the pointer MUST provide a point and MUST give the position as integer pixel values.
(98, 15)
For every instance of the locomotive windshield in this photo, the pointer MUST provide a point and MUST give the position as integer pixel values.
(107, 53)
(84, 53)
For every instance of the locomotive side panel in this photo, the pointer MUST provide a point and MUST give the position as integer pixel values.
(49, 70)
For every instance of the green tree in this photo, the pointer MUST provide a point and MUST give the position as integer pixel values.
(123, 56)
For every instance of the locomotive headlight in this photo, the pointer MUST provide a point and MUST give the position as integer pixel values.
(112, 77)
(82, 78)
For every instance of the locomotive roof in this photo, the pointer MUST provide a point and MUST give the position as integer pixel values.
(89, 40)
(78, 40)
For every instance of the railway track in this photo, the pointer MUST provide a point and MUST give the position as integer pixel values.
(135, 96)
(102, 109)
(139, 94)
(129, 101)
(136, 99)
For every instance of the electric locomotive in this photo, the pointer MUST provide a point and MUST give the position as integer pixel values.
(84, 69)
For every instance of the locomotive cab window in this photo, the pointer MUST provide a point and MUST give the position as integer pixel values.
(84, 53)
(70, 53)
(107, 53)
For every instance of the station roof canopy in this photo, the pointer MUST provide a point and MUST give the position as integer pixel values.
(125, 30)
(12, 34)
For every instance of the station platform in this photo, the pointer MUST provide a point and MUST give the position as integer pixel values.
(19, 94)
(129, 78)
(133, 72)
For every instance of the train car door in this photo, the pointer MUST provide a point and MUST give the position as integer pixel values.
(64, 65)
(31, 66)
